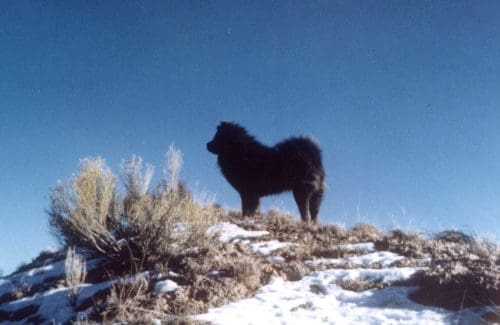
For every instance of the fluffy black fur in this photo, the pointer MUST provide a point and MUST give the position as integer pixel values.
(256, 170)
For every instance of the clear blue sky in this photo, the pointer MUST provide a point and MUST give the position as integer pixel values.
(403, 97)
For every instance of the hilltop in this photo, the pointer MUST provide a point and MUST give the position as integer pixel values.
(130, 254)
(272, 268)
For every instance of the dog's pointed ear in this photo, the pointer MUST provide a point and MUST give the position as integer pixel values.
(223, 124)
(226, 123)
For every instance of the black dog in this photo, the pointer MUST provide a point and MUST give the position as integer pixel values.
(256, 170)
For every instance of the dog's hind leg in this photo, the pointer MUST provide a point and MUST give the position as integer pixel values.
(302, 194)
(249, 204)
(314, 204)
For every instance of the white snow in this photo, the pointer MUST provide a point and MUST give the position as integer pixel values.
(166, 286)
(229, 232)
(276, 259)
(369, 247)
(386, 275)
(425, 260)
(215, 273)
(54, 304)
(386, 258)
(6, 286)
(317, 300)
(267, 247)
(39, 275)
(173, 274)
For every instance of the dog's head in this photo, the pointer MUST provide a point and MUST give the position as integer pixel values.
(228, 136)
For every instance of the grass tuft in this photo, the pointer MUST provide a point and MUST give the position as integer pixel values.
(76, 273)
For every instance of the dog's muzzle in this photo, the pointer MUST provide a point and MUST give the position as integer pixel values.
(210, 147)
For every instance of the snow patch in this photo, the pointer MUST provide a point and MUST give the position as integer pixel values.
(39, 275)
(173, 274)
(166, 286)
(425, 260)
(216, 273)
(229, 232)
(386, 258)
(387, 275)
(369, 247)
(267, 247)
(276, 259)
(317, 300)
(54, 304)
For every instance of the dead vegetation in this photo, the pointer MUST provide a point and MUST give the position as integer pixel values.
(149, 235)
(134, 227)
(464, 272)
(359, 285)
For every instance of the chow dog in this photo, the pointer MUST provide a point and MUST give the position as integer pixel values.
(255, 170)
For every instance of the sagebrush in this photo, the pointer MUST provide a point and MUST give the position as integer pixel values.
(126, 221)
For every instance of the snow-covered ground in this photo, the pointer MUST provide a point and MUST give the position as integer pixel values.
(369, 247)
(229, 232)
(267, 247)
(53, 304)
(386, 258)
(39, 275)
(317, 298)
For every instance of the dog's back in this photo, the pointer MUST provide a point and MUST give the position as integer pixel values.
(302, 159)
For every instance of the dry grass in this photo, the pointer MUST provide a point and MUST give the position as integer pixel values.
(127, 300)
(323, 240)
(131, 225)
(138, 228)
(406, 243)
(75, 272)
(365, 232)
(359, 285)
(44, 257)
(246, 271)
(464, 272)
(153, 224)
(492, 316)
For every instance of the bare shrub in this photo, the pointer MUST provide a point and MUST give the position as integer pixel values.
(131, 225)
(76, 272)
(83, 212)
